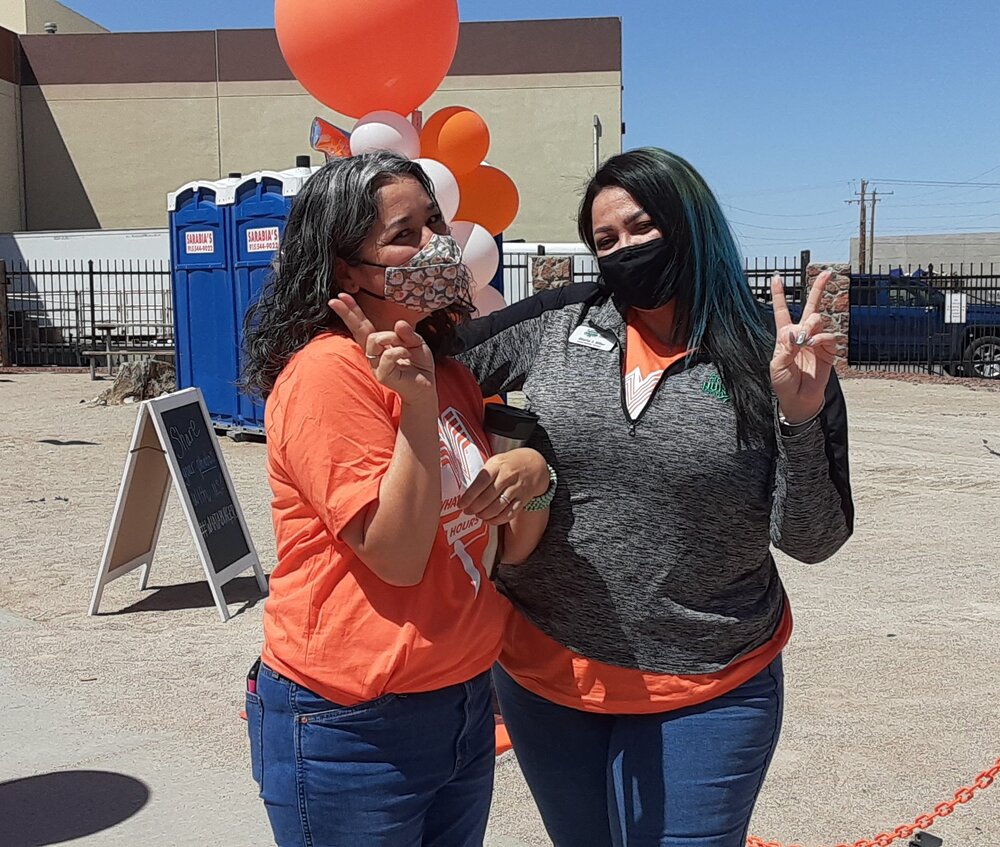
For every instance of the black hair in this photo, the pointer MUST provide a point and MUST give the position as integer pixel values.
(716, 312)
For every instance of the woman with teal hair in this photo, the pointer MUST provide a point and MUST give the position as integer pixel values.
(690, 431)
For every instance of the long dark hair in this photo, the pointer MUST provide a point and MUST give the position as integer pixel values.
(329, 220)
(716, 312)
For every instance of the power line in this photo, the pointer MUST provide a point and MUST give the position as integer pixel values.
(923, 229)
(938, 191)
(793, 190)
(935, 182)
(945, 217)
(786, 228)
(780, 215)
(950, 203)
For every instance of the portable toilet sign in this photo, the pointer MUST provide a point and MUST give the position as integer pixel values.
(224, 236)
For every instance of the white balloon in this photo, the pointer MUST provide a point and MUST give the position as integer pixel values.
(479, 251)
(445, 187)
(487, 301)
(385, 131)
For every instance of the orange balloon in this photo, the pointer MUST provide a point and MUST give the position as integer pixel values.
(457, 137)
(489, 198)
(357, 56)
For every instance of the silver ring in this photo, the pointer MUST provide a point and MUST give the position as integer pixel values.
(372, 359)
(504, 500)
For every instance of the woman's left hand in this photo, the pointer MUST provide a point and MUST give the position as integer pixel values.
(506, 482)
(804, 354)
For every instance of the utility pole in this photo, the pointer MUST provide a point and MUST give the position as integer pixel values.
(871, 238)
(862, 234)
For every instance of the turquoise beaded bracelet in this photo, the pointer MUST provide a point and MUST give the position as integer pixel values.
(538, 504)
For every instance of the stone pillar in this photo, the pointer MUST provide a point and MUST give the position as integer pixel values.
(835, 304)
(551, 271)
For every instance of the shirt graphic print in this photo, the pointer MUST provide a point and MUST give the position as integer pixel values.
(462, 458)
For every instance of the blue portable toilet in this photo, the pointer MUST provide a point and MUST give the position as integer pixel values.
(204, 306)
(259, 213)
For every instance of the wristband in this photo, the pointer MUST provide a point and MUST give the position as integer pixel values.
(790, 429)
(538, 504)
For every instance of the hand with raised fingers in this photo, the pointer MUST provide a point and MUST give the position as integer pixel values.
(804, 354)
(400, 359)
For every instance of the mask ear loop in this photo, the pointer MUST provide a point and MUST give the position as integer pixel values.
(354, 263)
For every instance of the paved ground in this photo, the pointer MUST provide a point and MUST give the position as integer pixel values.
(123, 729)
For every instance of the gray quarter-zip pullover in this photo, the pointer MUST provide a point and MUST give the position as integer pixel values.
(658, 552)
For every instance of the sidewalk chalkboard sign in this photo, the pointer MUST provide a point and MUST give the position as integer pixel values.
(174, 440)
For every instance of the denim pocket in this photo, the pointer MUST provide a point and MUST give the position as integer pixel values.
(310, 708)
(255, 731)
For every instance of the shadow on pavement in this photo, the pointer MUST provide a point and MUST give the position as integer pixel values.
(195, 595)
(55, 807)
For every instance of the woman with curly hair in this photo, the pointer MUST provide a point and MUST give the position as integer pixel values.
(369, 713)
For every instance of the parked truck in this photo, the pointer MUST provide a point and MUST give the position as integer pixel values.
(938, 323)
(947, 322)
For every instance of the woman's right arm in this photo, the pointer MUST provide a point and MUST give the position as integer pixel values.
(501, 348)
(375, 485)
(394, 535)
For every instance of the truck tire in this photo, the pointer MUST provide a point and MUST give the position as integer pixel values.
(982, 357)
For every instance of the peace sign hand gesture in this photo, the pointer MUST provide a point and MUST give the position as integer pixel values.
(804, 354)
(400, 359)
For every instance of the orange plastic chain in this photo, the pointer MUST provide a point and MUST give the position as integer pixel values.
(922, 822)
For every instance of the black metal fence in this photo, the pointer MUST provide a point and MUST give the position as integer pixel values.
(518, 267)
(942, 319)
(55, 311)
(516, 276)
(792, 271)
(518, 282)
(938, 320)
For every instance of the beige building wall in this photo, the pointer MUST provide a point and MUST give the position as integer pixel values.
(104, 156)
(970, 248)
(30, 16)
(14, 15)
(11, 177)
(113, 122)
(41, 12)
(541, 127)
(542, 134)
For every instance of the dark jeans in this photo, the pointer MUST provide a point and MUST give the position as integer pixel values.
(684, 778)
(410, 770)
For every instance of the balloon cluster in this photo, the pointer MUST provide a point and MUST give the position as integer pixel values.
(377, 61)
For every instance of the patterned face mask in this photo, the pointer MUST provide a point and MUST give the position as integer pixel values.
(433, 279)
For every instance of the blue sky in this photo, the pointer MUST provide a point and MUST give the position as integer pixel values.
(783, 105)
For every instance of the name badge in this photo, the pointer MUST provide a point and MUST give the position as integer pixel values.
(587, 336)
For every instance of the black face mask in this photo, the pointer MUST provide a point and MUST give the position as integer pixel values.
(646, 276)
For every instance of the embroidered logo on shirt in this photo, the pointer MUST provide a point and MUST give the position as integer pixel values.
(715, 387)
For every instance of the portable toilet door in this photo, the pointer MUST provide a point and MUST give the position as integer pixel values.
(204, 299)
(259, 214)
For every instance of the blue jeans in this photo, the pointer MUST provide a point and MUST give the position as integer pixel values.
(684, 778)
(412, 770)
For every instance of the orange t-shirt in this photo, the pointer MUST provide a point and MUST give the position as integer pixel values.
(331, 624)
(548, 669)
